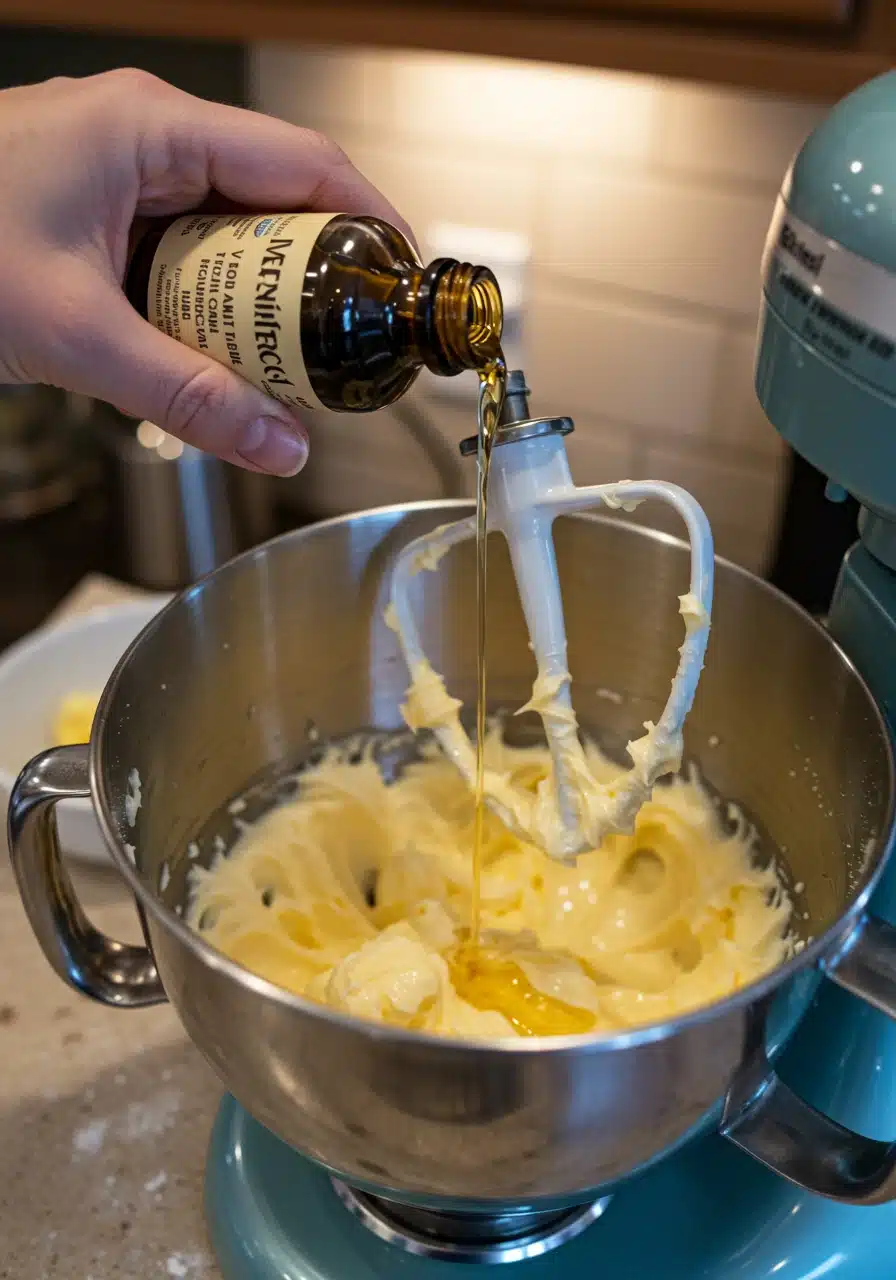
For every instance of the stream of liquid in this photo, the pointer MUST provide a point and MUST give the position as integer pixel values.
(492, 383)
(484, 976)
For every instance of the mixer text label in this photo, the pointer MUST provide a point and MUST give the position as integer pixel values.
(798, 249)
(842, 326)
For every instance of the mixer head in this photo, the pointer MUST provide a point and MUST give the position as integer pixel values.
(826, 363)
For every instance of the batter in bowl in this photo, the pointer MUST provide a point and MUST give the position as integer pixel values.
(356, 893)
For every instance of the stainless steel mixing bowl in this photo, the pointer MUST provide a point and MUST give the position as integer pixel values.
(223, 686)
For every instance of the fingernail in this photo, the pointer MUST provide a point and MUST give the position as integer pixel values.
(274, 446)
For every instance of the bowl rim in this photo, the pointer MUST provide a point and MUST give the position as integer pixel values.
(24, 650)
(591, 1042)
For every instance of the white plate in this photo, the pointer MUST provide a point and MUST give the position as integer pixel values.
(36, 674)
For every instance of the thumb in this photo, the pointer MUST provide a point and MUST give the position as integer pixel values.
(123, 360)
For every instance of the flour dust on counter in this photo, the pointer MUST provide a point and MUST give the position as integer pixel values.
(104, 1135)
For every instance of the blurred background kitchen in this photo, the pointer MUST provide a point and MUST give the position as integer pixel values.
(621, 187)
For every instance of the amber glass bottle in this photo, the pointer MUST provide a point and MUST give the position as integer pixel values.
(322, 311)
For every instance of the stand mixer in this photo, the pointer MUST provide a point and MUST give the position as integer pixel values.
(826, 377)
(464, 1154)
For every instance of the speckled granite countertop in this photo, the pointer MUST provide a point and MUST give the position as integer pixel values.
(104, 1116)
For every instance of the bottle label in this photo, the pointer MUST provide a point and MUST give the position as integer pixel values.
(231, 286)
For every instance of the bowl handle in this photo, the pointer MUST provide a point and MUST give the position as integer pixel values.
(112, 972)
(775, 1126)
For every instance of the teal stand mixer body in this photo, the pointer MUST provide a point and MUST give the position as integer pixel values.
(826, 377)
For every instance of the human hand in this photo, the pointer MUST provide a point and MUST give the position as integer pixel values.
(81, 159)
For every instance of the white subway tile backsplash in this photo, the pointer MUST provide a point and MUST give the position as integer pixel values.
(523, 106)
(447, 185)
(364, 460)
(725, 134)
(620, 362)
(681, 242)
(734, 495)
(514, 106)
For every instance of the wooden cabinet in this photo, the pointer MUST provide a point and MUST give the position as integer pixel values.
(817, 13)
(817, 49)
(823, 12)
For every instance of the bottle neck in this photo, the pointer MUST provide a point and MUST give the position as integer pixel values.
(458, 316)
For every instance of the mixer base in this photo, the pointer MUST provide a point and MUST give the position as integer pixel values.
(706, 1213)
(485, 1238)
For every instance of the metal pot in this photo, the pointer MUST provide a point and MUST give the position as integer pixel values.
(221, 688)
(177, 513)
(52, 507)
